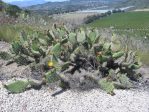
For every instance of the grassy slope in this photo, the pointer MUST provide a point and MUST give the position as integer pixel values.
(136, 3)
(138, 21)
(124, 20)
(10, 32)
(129, 20)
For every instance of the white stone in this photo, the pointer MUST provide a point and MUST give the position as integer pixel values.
(95, 100)
(1, 85)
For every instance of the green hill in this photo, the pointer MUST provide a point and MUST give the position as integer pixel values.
(131, 24)
(14, 20)
(136, 3)
(123, 22)
(11, 10)
(70, 6)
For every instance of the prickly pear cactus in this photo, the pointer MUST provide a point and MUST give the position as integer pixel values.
(63, 51)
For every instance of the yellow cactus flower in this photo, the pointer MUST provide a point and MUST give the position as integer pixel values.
(99, 53)
(50, 64)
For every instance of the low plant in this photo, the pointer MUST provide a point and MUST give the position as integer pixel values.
(63, 51)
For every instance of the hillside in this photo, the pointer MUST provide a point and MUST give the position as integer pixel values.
(70, 6)
(136, 3)
(11, 10)
(135, 23)
(27, 3)
(9, 13)
(14, 20)
(124, 20)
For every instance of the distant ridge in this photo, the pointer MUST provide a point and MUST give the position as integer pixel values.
(136, 3)
(73, 4)
(27, 3)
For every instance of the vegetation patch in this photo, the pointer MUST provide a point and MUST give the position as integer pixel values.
(64, 52)
(133, 22)
(11, 32)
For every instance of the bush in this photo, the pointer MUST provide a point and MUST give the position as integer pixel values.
(64, 52)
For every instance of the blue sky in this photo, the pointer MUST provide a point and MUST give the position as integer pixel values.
(30, 0)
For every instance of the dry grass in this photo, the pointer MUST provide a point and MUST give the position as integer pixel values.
(9, 32)
(74, 18)
(141, 10)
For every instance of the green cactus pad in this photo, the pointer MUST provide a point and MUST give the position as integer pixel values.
(118, 55)
(81, 36)
(102, 58)
(92, 37)
(65, 66)
(17, 86)
(51, 76)
(106, 46)
(106, 85)
(5, 56)
(64, 41)
(35, 53)
(43, 41)
(72, 38)
(125, 81)
(135, 66)
(56, 50)
(16, 47)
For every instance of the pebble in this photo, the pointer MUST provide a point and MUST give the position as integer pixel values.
(74, 101)
(1, 85)
(95, 100)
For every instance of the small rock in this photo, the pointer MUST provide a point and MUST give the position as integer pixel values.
(1, 85)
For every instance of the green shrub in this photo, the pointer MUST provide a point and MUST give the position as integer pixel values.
(64, 51)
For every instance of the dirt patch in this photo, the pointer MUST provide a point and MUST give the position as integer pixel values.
(145, 72)
(13, 70)
(141, 10)
(4, 46)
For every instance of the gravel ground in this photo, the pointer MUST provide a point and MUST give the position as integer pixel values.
(4, 46)
(95, 100)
